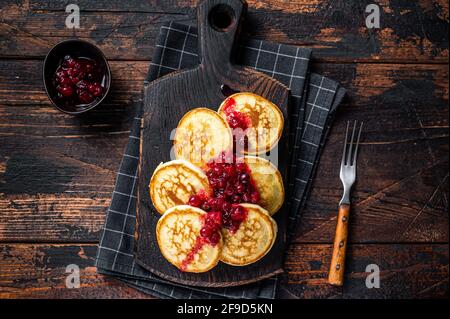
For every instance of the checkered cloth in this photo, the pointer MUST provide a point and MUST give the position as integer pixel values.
(310, 119)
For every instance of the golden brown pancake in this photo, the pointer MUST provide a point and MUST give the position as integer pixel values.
(252, 240)
(268, 182)
(266, 120)
(174, 182)
(201, 136)
(177, 233)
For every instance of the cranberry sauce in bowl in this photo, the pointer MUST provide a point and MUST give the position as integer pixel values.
(76, 76)
(78, 81)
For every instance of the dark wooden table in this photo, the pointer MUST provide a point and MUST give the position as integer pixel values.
(57, 171)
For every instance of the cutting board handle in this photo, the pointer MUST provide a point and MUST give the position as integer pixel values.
(218, 21)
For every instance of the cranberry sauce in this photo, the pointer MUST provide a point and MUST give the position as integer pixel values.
(231, 185)
(211, 227)
(79, 81)
(190, 256)
(209, 234)
(235, 118)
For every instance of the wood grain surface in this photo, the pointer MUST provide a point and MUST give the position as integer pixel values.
(167, 99)
(397, 81)
(38, 271)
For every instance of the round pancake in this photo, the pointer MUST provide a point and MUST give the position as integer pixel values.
(268, 182)
(253, 239)
(177, 232)
(266, 120)
(174, 182)
(201, 136)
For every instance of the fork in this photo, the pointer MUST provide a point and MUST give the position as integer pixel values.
(347, 176)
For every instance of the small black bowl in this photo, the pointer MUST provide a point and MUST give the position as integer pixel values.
(76, 49)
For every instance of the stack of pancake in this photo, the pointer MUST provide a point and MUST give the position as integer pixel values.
(245, 125)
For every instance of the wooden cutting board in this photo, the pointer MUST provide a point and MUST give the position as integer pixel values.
(167, 99)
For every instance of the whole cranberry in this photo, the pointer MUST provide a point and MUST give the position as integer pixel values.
(244, 177)
(240, 188)
(195, 200)
(238, 213)
(214, 238)
(65, 90)
(85, 97)
(205, 232)
(95, 89)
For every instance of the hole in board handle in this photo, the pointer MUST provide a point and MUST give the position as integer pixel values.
(222, 17)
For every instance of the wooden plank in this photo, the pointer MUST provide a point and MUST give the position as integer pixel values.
(406, 271)
(59, 183)
(57, 171)
(402, 168)
(120, 35)
(410, 31)
(39, 271)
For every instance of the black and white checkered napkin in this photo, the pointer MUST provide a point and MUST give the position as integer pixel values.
(310, 119)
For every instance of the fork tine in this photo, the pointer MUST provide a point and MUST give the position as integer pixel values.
(349, 156)
(345, 146)
(357, 144)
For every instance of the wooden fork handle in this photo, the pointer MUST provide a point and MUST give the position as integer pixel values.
(336, 274)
